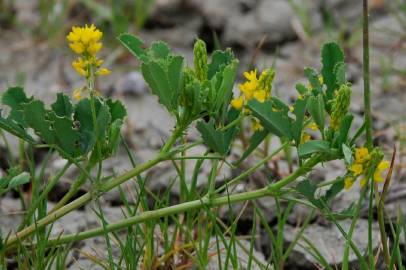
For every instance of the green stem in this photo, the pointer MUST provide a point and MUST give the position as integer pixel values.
(367, 93)
(352, 228)
(34, 204)
(252, 169)
(75, 186)
(270, 190)
(82, 200)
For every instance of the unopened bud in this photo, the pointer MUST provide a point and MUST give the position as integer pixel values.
(200, 60)
(341, 104)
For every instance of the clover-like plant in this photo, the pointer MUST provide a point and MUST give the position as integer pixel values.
(87, 131)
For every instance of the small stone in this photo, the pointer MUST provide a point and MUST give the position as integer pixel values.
(132, 83)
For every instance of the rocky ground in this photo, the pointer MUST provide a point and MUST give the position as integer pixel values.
(45, 68)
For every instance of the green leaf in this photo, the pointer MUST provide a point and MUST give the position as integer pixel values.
(335, 189)
(159, 50)
(175, 77)
(114, 135)
(339, 72)
(224, 93)
(315, 146)
(331, 55)
(313, 78)
(346, 213)
(158, 81)
(62, 106)
(347, 154)
(316, 110)
(297, 125)
(83, 114)
(15, 129)
(214, 139)
(308, 190)
(276, 122)
(134, 45)
(36, 117)
(345, 128)
(65, 135)
(301, 89)
(15, 98)
(255, 140)
(219, 60)
(19, 180)
(116, 109)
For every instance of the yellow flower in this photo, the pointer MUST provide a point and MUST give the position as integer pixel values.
(77, 94)
(248, 89)
(313, 126)
(291, 108)
(77, 47)
(383, 165)
(260, 95)
(80, 66)
(356, 169)
(362, 155)
(321, 81)
(305, 137)
(251, 75)
(103, 72)
(348, 182)
(256, 125)
(94, 48)
(85, 41)
(237, 103)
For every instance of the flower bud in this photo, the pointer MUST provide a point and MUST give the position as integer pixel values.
(341, 103)
(200, 60)
(266, 79)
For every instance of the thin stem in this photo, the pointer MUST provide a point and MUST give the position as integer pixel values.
(251, 170)
(270, 190)
(367, 93)
(82, 200)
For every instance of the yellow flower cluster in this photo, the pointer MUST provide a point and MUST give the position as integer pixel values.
(360, 166)
(254, 88)
(85, 41)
